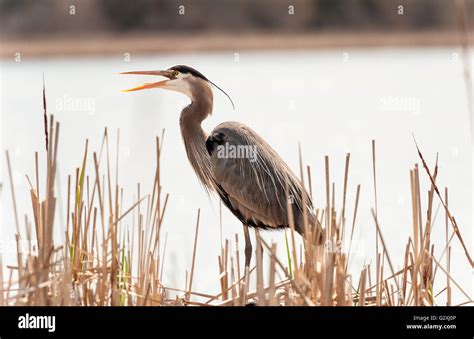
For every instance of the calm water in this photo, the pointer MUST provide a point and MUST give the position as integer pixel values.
(330, 102)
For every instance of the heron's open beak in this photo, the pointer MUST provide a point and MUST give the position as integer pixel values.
(166, 74)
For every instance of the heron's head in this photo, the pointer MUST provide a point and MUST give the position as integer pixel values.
(180, 78)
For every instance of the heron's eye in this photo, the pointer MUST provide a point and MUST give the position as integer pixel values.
(175, 73)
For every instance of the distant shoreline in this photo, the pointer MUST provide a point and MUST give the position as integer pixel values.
(88, 45)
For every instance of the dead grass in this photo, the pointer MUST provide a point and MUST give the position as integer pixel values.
(102, 262)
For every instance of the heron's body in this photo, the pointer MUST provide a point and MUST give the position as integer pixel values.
(255, 191)
(257, 186)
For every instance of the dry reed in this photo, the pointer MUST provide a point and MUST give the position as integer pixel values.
(102, 262)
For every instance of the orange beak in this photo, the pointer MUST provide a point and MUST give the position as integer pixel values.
(167, 74)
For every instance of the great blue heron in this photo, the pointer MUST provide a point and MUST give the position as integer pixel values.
(235, 162)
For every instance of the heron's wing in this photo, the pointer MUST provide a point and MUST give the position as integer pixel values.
(251, 178)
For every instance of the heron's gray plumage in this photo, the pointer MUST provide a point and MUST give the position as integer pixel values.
(257, 187)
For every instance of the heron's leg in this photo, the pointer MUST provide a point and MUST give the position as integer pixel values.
(259, 246)
(248, 246)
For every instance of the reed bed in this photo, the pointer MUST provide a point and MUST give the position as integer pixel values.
(114, 254)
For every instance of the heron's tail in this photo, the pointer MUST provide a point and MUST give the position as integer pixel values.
(313, 224)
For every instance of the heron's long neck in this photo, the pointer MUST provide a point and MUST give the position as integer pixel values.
(194, 138)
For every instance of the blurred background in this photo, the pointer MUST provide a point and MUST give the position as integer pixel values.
(26, 18)
(104, 26)
(329, 74)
